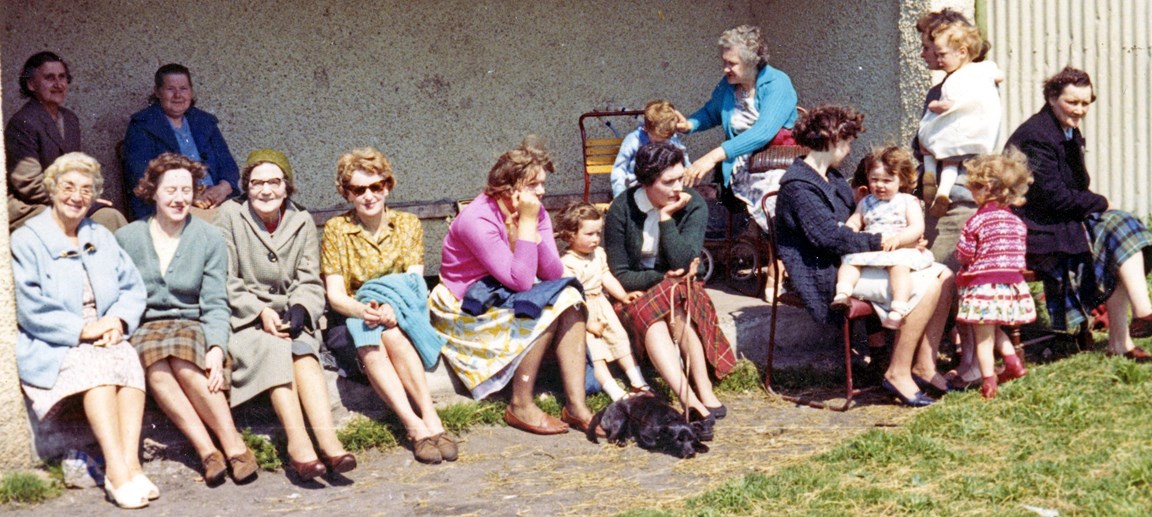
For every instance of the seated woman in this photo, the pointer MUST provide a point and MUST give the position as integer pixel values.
(501, 243)
(815, 202)
(653, 235)
(372, 249)
(1071, 228)
(276, 295)
(756, 104)
(41, 131)
(172, 124)
(183, 341)
(77, 297)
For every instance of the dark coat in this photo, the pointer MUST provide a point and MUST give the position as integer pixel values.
(32, 141)
(681, 240)
(149, 135)
(811, 236)
(1059, 200)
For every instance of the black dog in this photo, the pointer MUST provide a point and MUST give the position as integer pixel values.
(654, 425)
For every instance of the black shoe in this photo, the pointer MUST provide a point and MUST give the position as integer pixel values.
(719, 411)
(917, 400)
(929, 388)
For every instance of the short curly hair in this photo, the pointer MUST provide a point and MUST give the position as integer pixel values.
(747, 43)
(653, 158)
(571, 216)
(827, 124)
(367, 160)
(1007, 176)
(159, 165)
(660, 118)
(931, 23)
(961, 36)
(74, 162)
(518, 166)
(895, 160)
(1054, 86)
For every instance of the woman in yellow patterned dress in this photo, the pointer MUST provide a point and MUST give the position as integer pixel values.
(366, 243)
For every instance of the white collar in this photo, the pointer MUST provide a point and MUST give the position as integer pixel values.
(642, 202)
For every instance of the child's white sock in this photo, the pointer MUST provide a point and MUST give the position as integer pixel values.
(946, 180)
(635, 378)
(844, 288)
(613, 389)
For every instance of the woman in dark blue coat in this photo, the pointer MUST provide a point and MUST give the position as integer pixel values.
(173, 124)
(814, 202)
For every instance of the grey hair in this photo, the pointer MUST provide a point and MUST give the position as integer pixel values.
(747, 42)
(74, 162)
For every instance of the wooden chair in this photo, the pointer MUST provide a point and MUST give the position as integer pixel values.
(858, 310)
(600, 151)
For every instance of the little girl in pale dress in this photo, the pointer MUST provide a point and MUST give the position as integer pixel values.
(890, 210)
(580, 224)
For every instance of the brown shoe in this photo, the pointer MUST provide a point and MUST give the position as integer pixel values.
(244, 467)
(580, 425)
(1138, 355)
(447, 447)
(548, 425)
(425, 450)
(1140, 327)
(308, 470)
(340, 464)
(214, 468)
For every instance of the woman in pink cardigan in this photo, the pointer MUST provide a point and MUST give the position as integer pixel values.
(499, 245)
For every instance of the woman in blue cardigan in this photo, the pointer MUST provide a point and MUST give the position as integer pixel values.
(753, 102)
(172, 124)
(77, 297)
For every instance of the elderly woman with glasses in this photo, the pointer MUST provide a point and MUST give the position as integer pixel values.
(372, 259)
(276, 296)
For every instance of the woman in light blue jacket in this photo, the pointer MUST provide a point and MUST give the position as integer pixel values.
(78, 296)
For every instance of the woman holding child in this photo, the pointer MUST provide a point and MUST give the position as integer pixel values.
(653, 235)
(372, 258)
(815, 202)
(494, 253)
(276, 296)
(1071, 228)
(78, 296)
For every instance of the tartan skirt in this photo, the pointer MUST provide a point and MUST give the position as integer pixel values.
(656, 304)
(182, 339)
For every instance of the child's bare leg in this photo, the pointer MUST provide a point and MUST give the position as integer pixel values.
(900, 283)
(946, 179)
(846, 278)
(1013, 363)
(985, 344)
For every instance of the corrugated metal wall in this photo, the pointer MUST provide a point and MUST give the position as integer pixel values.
(1109, 39)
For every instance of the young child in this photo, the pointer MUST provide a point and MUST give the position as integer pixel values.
(890, 210)
(579, 224)
(660, 120)
(966, 119)
(991, 248)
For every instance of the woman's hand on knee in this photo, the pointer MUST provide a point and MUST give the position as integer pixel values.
(215, 363)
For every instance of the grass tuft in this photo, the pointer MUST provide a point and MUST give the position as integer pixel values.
(363, 433)
(26, 488)
(463, 416)
(265, 451)
(744, 378)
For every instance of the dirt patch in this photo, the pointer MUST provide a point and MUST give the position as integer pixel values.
(503, 471)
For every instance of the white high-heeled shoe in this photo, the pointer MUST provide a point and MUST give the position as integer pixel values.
(150, 488)
(129, 496)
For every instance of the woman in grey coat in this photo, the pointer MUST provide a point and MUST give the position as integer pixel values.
(275, 292)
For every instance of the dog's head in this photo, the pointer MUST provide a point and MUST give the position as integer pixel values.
(680, 439)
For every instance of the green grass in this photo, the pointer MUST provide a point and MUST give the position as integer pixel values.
(1072, 437)
(26, 488)
(267, 455)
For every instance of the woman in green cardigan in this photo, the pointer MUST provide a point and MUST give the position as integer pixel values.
(653, 235)
(183, 336)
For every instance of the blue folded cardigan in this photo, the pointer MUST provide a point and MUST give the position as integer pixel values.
(489, 292)
(408, 295)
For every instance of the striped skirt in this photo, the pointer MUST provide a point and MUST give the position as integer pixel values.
(182, 339)
(656, 305)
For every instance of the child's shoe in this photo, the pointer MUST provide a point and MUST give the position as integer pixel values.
(940, 206)
(840, 302)
(1013, 369)
(895, 318)
(988, 387)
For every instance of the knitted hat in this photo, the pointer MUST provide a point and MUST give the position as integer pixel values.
(271, 156)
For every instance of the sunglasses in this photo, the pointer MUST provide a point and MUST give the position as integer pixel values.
(359, 190)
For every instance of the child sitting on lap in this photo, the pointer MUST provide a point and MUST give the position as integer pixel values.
(579, 224)
(890, 210)
(660, 120)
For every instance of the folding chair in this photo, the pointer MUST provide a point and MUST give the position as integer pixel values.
(858, 310)
(600, 152)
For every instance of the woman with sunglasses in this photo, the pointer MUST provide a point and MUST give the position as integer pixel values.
(361, 246)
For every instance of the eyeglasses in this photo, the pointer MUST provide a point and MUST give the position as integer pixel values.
(274, 183)
(69, 189)
(359, 190)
